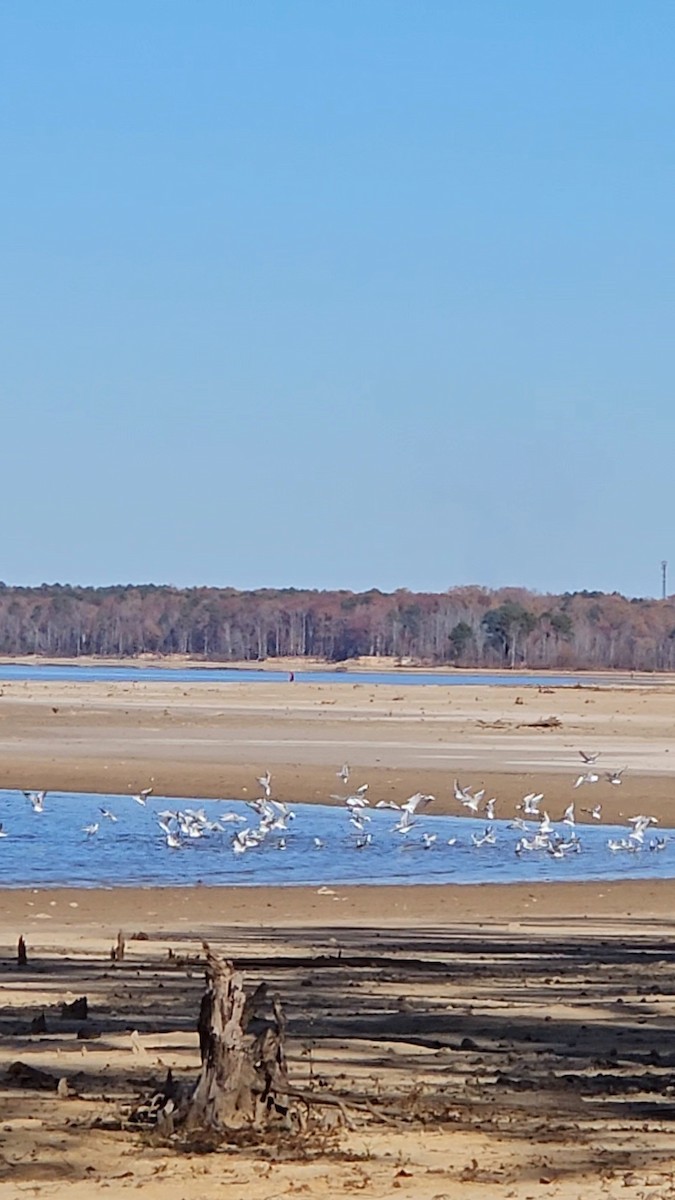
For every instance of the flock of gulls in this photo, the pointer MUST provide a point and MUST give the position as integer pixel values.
(267, 822)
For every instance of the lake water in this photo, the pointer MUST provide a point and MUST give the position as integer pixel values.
(50, 849)
(109, 674)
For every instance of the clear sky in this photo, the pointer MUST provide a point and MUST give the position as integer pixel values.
(338, 293)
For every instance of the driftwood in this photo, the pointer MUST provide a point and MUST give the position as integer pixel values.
(21, 956)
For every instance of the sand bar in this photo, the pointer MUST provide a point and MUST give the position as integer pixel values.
(212, 740)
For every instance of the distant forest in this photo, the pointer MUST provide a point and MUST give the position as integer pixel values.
(464, 627)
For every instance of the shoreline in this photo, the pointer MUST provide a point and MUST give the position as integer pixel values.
(441, 905)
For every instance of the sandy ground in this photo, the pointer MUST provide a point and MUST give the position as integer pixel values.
(512, 1041)
(212, 740)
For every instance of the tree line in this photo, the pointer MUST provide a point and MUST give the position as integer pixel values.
(467, 626)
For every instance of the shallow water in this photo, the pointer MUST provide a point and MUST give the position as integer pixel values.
(101, 673)
(50, 848)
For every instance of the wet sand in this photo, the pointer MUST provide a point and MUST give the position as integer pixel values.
(520, 1038)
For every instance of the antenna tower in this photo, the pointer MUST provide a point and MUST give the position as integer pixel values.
(664, 571)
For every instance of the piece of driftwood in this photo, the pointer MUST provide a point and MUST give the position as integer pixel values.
(21, 956)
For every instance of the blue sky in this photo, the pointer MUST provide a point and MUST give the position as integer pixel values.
(318, 294)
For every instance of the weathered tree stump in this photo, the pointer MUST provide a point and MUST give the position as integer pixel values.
(77, 1011)
(21, 956)
(242, 1091)
(243, 1079)
(117, 951)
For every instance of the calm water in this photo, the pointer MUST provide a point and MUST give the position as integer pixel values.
(50, 848)
(109, 674)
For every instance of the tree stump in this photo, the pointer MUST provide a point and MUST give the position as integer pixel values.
(77, 1011)
(243, 1079)
(117, 951)
(21, 956)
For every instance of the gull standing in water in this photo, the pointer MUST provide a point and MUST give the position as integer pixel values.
(540, 841)
(615, 844)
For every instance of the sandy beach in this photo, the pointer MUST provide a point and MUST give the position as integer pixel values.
(509, 1041)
